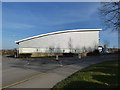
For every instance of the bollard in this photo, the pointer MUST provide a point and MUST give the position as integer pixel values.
(79, 56)
(57, 57)
(59, 61)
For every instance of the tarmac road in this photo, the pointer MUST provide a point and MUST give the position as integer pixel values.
(16, 69)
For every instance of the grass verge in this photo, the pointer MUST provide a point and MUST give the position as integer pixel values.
(102, 75)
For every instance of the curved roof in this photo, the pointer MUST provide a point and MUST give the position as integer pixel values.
(58, 32)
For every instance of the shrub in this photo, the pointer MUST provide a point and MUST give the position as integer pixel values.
(94, 53)
(68, 54)
(25, 55)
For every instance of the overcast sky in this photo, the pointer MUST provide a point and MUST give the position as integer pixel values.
(24, 19)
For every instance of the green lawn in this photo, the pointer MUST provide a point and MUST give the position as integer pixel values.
(102, 75)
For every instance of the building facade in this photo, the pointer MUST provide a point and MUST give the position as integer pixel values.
(74, 41)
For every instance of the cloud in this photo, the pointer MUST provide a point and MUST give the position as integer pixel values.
(18, 26)
(66, 16)
(32, 19)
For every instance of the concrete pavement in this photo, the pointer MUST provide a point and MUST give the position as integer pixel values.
(50, 78)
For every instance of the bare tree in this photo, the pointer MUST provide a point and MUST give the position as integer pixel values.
(89, 48)
(84, 49)
(77, 49)
(51, 49)
(70, 44)
(95, 46)
(110, 14)
(114, 46)
(58, 50)
(106, 43)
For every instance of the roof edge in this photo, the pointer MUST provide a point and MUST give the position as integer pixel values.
(57, 32)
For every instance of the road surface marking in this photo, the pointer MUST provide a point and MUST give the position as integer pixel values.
(34, 76)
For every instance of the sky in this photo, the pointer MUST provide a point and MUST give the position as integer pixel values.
(26, 19)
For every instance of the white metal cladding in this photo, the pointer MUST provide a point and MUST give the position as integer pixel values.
(61, 42)
(47, 50)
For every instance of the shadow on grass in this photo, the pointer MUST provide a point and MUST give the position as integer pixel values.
(110, 73)
(107, 70)
(102, 75)
(111, 81)
(110, 68)
(81, 84)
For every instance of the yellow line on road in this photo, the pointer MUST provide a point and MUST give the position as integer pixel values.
(22, 81)
(32, 77)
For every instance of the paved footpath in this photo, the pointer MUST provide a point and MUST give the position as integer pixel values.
(50, 78)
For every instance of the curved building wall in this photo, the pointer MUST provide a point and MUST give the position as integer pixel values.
(62, 42)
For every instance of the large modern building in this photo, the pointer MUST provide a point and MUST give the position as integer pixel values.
(74, 41)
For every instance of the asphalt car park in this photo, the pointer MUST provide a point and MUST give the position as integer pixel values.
(17, 69)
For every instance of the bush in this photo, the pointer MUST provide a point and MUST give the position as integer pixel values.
(94, 53)
(68, 54)
(25, 55)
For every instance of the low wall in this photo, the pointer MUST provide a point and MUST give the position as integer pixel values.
(8, 52)
(48, 54)
(45, 54)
